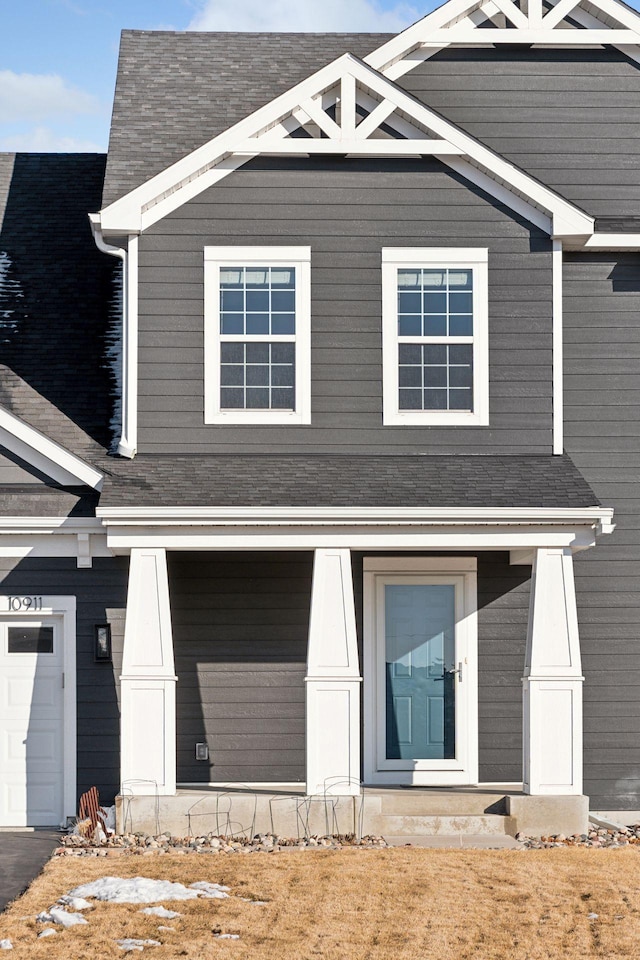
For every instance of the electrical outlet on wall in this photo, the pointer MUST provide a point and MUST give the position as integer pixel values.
(202, 751)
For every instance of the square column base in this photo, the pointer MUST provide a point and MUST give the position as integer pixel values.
(549, 815)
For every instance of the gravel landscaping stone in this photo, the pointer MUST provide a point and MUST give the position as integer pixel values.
(141, 844)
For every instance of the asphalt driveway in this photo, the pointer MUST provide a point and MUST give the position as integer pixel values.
(22, 857)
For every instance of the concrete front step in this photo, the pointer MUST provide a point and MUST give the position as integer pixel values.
(436, 803)
(438, 826)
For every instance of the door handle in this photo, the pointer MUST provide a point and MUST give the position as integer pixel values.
(453, 671)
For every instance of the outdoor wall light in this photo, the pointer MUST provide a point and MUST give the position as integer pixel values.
(103, 641)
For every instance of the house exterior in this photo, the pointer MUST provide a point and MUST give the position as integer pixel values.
(320, 449)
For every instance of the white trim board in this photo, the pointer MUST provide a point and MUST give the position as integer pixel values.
(457, 21)
(284, 516)
(45, 455)
(269, 128)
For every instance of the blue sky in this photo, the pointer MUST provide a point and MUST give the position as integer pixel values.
(58, 57)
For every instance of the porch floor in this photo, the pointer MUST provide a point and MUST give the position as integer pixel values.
(286, 810)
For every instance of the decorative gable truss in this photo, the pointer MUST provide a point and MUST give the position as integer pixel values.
(482, 22)
(347, 109)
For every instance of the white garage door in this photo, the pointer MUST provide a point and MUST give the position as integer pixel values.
(31, 722)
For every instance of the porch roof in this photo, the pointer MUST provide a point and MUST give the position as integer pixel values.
(307, 480)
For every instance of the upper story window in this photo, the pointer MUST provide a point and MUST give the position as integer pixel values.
(435, 336)
(257, 335)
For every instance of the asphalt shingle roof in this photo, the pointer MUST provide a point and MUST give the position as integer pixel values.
(176, 91)
(343, 481)
(34, 500)
(57, 300)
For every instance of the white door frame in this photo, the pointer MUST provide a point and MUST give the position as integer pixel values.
(21, 607)
(464, 769)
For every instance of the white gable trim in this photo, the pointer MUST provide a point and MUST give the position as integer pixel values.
(345, 81)
(457, 21)
(45, 455)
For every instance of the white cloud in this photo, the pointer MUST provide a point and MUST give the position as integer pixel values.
(39, 96)
(45, 140)
(304, 15)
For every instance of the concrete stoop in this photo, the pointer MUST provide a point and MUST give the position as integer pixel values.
(396, 813)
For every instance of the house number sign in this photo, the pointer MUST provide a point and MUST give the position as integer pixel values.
(24, 604)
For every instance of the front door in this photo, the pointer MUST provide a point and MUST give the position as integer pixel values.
(420, 671)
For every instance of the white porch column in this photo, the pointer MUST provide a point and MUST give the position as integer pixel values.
(552, 684)
(148, 681)
(333, 679)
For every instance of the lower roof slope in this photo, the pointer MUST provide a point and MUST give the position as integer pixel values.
(58, 300)
(344, 481)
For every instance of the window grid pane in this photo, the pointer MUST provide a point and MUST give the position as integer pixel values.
(435, 315)
(256, 303)
(435, 302)
(257, 376)
(435, 376)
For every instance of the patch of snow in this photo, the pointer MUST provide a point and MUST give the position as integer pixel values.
(49, 932)
(592, 916)
(161, 912)
(10, 291)
(6, 945)
(113, 357)
(75, 903)
(166, 928)
(211, 891)
(65, 919)
(227, 936)
(131, 944)
(134, 890)
(44, 917)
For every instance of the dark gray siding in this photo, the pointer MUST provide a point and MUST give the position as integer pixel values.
(602, 435)
(240, 628)
(346, 211)
(101, 597)
(564, 116)
(503, 604)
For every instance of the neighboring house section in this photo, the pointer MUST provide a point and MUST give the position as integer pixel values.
(365, 345)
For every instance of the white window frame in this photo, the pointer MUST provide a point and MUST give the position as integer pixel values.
(468, 258)
(216, 258)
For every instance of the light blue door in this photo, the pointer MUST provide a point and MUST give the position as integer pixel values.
(419, 664)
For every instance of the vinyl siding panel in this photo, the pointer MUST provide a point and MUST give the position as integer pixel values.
(346, 211)
(602, 435)
(101, 598)
(564, 116)
(240, 628)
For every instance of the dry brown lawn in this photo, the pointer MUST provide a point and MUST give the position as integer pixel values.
(396, 904)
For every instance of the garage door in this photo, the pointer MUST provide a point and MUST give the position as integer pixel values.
(31, 722)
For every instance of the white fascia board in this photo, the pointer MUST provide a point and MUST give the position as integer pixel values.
(612, 241)
(560, 38)
(68, 525)
(45, 455)
(321, 516)
(183, 180)
(122, 539)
